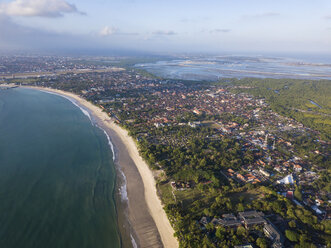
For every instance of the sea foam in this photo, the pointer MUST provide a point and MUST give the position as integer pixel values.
(84, 111)
(110, 143)
(134, 244)
(123, 189)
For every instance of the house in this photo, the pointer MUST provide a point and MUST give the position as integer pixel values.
(297, 168)
(289, 195)
(265, 173)
(195, 111)
(241, 177)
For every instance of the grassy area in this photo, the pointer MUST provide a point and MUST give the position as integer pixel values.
(211, 124)
(165, 191)
(188, 196)
(245, 197)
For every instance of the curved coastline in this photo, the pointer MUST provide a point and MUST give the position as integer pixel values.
(151, 227)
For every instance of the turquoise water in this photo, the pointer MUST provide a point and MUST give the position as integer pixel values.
(56, 175)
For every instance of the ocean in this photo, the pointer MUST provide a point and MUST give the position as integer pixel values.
(57, 176)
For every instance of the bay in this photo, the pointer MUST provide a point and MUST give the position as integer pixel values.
(57, 176)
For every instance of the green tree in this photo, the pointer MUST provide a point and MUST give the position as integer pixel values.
(262, 243)
(240, 207)
(220, 233)
(241, 231)
(292, 235)
(298, 194)
(290, 213)
(292, 224)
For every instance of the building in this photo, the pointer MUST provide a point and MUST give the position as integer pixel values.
(244, 246)
(265, 173)
(252, 218)
(272, 233)
(229, 220)
(286, 180)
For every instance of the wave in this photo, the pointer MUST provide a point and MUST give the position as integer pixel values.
(133, 241)
(109, 143)
(123, 189)
(84, 111)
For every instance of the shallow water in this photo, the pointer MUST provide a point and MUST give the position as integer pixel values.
(213, 68)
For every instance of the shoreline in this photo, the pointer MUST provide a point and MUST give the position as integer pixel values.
(150, 224)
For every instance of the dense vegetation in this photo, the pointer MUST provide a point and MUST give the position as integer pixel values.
(200, 163)
(303, 228)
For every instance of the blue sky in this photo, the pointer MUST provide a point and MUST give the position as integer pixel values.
(166, 26)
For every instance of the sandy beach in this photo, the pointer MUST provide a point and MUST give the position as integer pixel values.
(145, 211)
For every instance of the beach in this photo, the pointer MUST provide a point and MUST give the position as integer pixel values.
(149, 222)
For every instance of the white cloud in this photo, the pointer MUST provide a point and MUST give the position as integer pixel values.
(263, 15)
(220, 30)
(19, 37)
(107, 31)
(44, 8)
(160, 32)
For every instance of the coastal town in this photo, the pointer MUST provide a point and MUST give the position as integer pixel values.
(230, 171)
(165, 124)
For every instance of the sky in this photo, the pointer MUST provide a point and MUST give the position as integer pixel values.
(166, 26)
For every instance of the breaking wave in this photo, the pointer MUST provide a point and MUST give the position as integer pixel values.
(109, 143)
(84, 111)
(134, 244)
